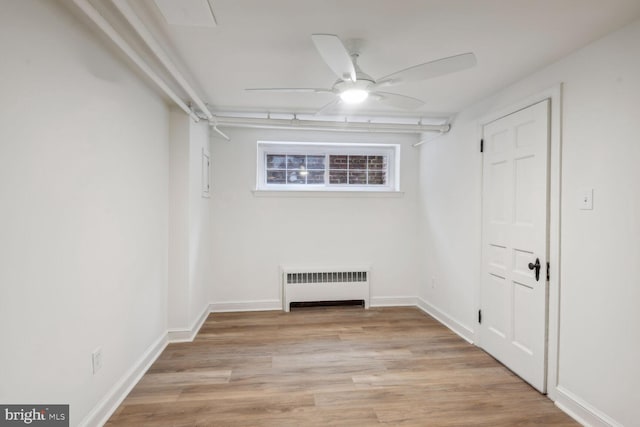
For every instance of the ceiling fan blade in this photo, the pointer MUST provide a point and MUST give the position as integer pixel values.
(328, 107)
(335, 55)
(291, 89)
(399, 101)
(429, 70)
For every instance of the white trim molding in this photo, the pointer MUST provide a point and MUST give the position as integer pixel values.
(100, 413)
(328, 194)
(581, 411)
(460, 329)
(187, 335)
(390, 152)
(230, 306)
(554, 94)
(393, 301)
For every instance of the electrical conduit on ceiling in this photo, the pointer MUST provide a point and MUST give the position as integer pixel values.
(323, 125)
(111, 32)
(139, 27)
(229, 121)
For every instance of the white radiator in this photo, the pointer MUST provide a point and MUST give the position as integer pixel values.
(313, 285)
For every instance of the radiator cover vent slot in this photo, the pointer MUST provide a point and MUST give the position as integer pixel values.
(324, 284)
(327, 277)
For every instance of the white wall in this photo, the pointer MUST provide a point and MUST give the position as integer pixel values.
(449, 219)
(84, 185)
(254, 236)
(179, 147)
(83, 211)
(190, 220)
(599, 344)
(200, 221)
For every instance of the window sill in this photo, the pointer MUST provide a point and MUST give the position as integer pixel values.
(328, 193)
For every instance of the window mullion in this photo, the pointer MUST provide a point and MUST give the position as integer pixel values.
(366, 161)
(348, 174)
(326, 169)
(380, 168)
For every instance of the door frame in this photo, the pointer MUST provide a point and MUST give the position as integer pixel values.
(554, 95)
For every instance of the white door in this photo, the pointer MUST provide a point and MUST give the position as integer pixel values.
(513, 289)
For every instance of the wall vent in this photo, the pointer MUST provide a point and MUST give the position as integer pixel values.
(315, 285)
(327, 277)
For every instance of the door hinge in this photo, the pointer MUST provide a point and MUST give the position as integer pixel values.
(482, 145)
(479, 316)
(548, 268)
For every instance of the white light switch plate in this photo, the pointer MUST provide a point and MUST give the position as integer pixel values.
(586, 199)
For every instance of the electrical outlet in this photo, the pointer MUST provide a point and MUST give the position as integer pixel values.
(96, 359)
(586, 199)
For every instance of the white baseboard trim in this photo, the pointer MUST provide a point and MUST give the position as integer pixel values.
(187, 335)
(227, 306)
(575, 407)
(581, 411)
(393, 301)
(100, 413)
(451, 323)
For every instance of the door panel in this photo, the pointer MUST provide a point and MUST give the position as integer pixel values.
(514, 235)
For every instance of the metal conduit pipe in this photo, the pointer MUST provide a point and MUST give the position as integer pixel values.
(317, 125)
(424, 141)
(135, 22)
(104, 25)
(244, 122)
(125, 8)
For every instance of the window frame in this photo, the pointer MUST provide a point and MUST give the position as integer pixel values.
(391, 151)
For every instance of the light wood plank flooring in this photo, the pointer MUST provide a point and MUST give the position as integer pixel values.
(331, 366)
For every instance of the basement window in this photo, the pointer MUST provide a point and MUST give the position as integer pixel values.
(287, 166)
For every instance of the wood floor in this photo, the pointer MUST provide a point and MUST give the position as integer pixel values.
(331, 366)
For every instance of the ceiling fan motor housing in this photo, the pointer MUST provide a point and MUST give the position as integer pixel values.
(354, 86)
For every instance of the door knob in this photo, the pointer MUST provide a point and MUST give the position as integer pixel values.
(536, 266)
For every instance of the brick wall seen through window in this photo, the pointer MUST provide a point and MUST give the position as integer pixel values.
(315, 166)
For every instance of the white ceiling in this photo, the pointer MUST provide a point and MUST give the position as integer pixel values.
(266, 43)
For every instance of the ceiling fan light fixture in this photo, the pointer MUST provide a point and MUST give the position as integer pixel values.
(354, 96)
(354, 86)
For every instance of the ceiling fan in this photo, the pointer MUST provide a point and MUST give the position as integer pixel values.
(355, 86)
